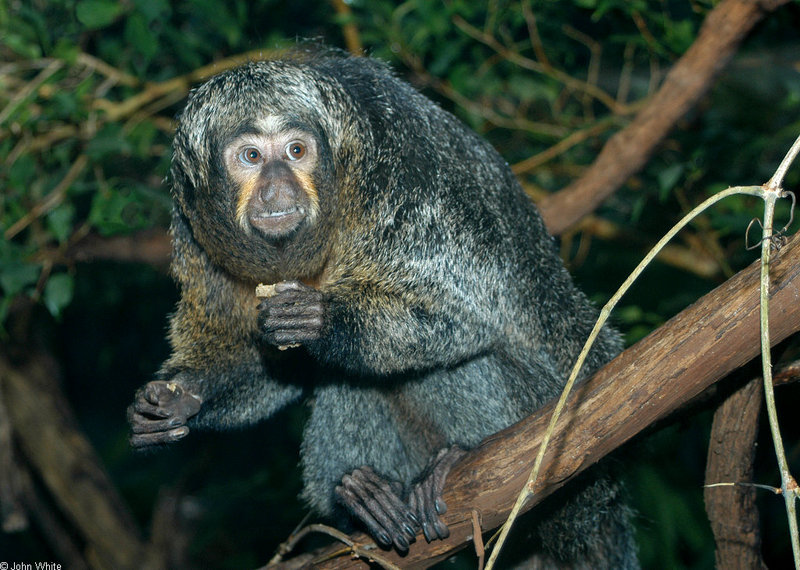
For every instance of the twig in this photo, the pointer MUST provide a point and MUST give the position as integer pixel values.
(26, 91)
(773, 191)
(477, 539)
(540, 67)
(361, 551)
(536, 39)
(481, 109)
(770, 488)
(53, 199)
(776, 182)
(109, 71)
(562, 146)
(352, 39)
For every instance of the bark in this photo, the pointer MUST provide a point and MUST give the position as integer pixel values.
(731, 451)
(643, 385)
(147, 246)
(51, 442)
(627, 151)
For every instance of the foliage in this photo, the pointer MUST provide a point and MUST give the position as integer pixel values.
(87, 96)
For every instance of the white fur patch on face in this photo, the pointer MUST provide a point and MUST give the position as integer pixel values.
(271, 124)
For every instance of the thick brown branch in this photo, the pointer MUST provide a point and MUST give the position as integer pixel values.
(731, 451)
(647, 382)
(627, 151)
(49, 438)
(147, 246)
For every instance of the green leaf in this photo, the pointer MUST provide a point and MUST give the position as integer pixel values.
(59, 221)
(138, 34)
(67, 50)
(154, 9)
(96, 14)
(22, 172)
(16, 275)
(58, 292)
(110, 140)
(668, 178)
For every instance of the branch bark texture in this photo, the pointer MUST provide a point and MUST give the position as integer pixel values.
(67, 463)
(731, 451)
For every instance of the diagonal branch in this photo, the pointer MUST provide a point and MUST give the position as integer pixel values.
(627, 151)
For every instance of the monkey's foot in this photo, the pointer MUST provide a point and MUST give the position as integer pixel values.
(159, 413)
(373, 500)
(425, 498)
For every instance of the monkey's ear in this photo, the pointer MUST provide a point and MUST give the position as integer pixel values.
(183, 190)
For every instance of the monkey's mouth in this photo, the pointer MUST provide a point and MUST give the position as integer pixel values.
(277, 223)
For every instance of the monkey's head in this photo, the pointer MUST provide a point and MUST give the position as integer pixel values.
(255, 164)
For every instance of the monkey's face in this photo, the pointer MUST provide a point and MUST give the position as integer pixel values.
(272, 175)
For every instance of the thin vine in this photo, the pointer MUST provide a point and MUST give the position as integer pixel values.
(770, 193)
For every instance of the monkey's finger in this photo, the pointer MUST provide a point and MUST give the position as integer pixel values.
(289, 310)
(145, 408)
(297, 321)
(310, 325)
(415, 503)
(382, 492)
(426, 495)
(292, 338)
(147, 439)
(144, 425)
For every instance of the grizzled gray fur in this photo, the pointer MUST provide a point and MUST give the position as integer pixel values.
(419, 303)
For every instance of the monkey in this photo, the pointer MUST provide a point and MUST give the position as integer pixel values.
(417, 301)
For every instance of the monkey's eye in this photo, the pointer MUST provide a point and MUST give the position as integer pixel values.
(250, 155)
(295, 150)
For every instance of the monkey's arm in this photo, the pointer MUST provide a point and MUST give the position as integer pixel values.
(369, 329)
(218, 375)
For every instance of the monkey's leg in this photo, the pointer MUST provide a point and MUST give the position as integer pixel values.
(373, 500)
(425, 498)
(159, 413)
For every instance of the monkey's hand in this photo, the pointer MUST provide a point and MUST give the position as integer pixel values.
(425, 498)
(159, 413)
(293, 315)
(373, 500)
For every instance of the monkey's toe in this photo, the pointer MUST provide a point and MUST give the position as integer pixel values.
(372, 500)
(425, 498)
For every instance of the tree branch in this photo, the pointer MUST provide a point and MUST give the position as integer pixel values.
(731, 451)
(67, 463)
(627, 151)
